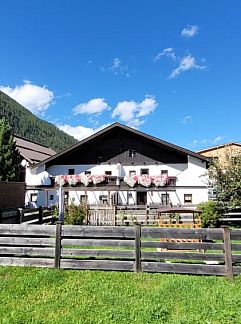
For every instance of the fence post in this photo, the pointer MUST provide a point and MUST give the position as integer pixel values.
(114, 215)
(227, 252)
(58, 244)
(147, 213)
(137, 248)
(20, 215)
(40, 215)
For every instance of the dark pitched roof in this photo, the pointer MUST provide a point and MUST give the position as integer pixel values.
(114, 125)
(31, 151)
(218, 146)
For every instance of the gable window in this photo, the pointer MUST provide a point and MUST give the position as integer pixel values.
(132, 153)
(164, 172)
(187, 198)
(132, 173)
(144, 171)
(87, 172)
(108, 172)
(70, 171)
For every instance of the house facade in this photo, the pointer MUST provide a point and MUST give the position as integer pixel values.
(220, 152)
(122, 166)
(32, 153)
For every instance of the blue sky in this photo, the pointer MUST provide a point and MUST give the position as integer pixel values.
(169, 68)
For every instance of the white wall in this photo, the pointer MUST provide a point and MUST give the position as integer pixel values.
(188, 175)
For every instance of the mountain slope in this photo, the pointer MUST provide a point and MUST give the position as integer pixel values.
(27, 125)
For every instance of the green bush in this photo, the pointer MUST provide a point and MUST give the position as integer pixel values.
(75, 214)
(211, 212)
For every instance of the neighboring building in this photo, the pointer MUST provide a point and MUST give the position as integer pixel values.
(31, 153)
(122, 154)
(220, 152)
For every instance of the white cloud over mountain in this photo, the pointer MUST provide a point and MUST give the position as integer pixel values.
(79, 132)
(33, 97)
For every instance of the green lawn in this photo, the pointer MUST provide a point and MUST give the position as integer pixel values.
(31, 295)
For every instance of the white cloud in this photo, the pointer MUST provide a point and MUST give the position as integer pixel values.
(117, 67)
(211, 141)
(168, 52)
(217, 139)
(190, 31)
(80, 132)
(94, 106)
(186, 63)
(33, 97)
(147, 106)
(187, 119)
(130, 112)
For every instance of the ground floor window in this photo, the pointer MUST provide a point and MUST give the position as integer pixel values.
(33, 197)
(165, 199)
(187, 198)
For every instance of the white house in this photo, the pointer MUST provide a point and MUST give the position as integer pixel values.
(121, 165)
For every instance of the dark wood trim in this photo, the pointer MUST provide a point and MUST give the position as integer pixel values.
(165, 144)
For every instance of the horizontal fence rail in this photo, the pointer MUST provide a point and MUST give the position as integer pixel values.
(39, 215)
(134, 248)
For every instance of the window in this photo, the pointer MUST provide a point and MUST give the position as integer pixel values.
(51, 197)
(70, 171)
(144, 171)
(33, 197)
(165, 199)
(108, 172)
(132, 172)
(87, 172)
(66, 198)
(83, 199)
(103, 199)
(164, 172)
(187, 198)
(132, 153)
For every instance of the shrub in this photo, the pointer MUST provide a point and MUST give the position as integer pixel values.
(211, 212)
(75, 214)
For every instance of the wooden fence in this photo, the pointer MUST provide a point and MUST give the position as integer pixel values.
(39, 215)
(12, 194)
(122, 248)
(122, 215)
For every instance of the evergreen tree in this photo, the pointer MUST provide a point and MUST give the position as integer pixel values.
(9, 155)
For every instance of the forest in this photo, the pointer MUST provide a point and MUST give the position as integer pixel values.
(29, 126)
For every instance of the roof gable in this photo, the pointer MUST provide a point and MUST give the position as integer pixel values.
(113, 137)
(31, 151)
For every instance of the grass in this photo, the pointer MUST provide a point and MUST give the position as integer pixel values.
(31, 295)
